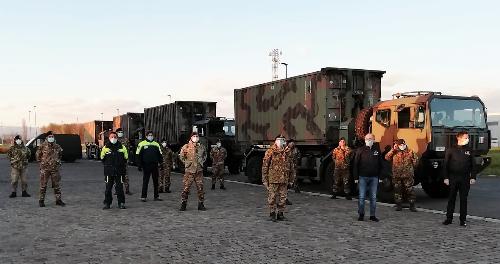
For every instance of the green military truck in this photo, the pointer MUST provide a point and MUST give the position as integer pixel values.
(318, 108)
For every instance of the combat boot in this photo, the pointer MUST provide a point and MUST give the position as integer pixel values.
(287, 202)
(272, 216)
(213, 186)
(222, 187)
(25, 194)
(201, 206)
(412, 207)
(297, 189)
(399, 207)
(183, 206)
(60, 203)
(168, 190)
(106, 207)
(160, 190)
(41, 203)
(13, 195)
(280, 216)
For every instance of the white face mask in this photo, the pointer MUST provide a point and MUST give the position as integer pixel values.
(164, 144)
(195, 139)
(369, 142)
(113, 140)
(120, 134)
(150, 138)
(19, 142)
(219, 145)
(51, 139)
(402, 147)
(463, 142)
(280, 143)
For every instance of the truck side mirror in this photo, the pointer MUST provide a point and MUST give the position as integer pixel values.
(421, 117)
(420, 120)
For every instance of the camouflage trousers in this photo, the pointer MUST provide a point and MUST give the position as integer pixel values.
(17, 175)
(55, 178)
(276, 196)
(403, 187)
(188, 180)
(341, 181)
(164, 178)
(126, 180)
(218, 174)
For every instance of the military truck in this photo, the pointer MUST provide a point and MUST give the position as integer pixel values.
(318, 108)
(70, 143)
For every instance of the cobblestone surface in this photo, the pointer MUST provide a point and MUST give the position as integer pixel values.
(234, 229)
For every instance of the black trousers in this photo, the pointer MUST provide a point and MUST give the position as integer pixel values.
(118, 182)
(462, 187)
(149, 170)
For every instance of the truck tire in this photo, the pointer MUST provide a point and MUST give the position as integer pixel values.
(234, 168)
(362, 123)
(435, 189)
(253, 170)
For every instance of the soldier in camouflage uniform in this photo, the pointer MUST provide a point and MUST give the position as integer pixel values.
(193, 155)
(341, 175)
(18, 155)
(276, 167)
(125, 142)
(165, 167)
(218, 154)
(404, 162)
(49, 156)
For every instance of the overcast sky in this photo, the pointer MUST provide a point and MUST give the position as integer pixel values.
(76, 59)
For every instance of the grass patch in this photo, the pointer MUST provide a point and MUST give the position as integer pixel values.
(494, 168)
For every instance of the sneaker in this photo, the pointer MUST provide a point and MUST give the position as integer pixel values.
(447, 222)
(462, 223)
(374, 219)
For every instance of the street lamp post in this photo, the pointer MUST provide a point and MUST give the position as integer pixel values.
(286, 69)
(36, 128)
(29, 123)
(102, 122)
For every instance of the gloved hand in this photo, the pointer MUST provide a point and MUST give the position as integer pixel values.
(446, 181)
(472, 181)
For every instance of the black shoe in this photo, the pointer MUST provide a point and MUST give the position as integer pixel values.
(106, 207)
(25, 194)
(201, 206)
(60, 203)
(348, 197)
(183, 206)
(334, 196)
(280, 216)
(41, 203)
(121, 206)
(144, 199)
(222, 187)
(213, 186)
(412, 207)
(158, 199)
(399, 207)
(13, 195)
(297, 190)
(462, 223)
(287, 202)
(361, 217)
(272, 216)
(168, 191)
(374, 219)
(447, 222)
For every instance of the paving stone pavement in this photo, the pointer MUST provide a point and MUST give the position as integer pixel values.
(234, 229)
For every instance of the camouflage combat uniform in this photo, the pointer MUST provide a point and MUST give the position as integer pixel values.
(294, 159)
(18, 156)
(403, 164)
(341, 174)
(49, 155)
(276, 168)
(218, 155)
(166, 168)
(193, 155)
(124, 141)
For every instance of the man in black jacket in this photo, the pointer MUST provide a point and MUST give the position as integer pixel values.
(367, 167)
(148, 158)
(459, 174)
(114, 156)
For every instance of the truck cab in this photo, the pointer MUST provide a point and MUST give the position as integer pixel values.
(429, 122)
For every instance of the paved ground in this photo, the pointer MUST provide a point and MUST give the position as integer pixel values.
(234, 229)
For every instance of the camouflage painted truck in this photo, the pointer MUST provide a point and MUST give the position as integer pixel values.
(319, 108)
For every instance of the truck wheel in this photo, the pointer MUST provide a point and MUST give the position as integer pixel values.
(327, 179)
(435, 189)
(234, 168)
(253, 170)
(362, 123)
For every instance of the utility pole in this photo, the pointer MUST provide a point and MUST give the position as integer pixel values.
(275, 58)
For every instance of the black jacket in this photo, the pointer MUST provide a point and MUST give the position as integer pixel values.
(367, 162)
(148, 153)
(114, 157)
(459, 164)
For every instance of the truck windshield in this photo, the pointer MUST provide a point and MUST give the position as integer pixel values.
(457, 113)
